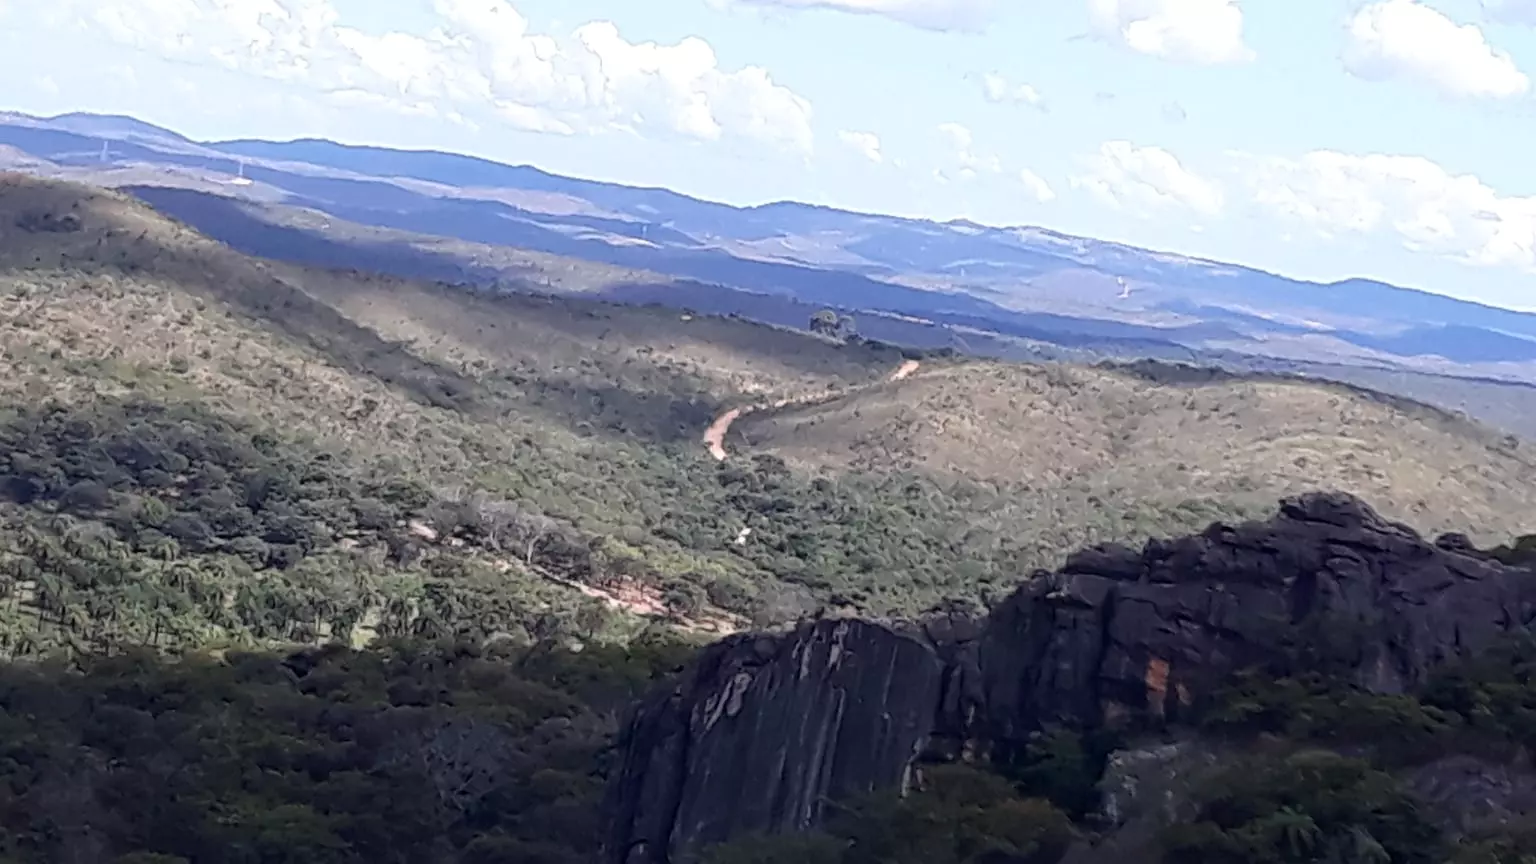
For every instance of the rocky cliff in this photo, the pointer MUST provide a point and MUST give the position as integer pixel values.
(762, 731)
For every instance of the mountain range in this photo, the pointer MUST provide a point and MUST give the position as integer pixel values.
(1009, 292)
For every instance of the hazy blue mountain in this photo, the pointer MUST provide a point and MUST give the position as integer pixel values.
(897, 245)
(1023, 282)
(1467, 344)
(114, 126)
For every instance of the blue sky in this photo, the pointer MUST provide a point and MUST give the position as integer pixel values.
(1317, 138)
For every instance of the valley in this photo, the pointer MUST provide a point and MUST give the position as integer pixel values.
(347, 565)
(767, 432)
(857, 476)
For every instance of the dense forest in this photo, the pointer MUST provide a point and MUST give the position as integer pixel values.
(408, 752)
(415, 750)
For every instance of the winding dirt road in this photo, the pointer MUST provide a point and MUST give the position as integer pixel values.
(714, 436)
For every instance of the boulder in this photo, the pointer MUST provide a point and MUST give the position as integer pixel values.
(762, 731)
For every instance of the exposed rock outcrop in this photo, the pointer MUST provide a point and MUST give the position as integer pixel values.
(762, 731)
(1145, 789)
(1468, 794)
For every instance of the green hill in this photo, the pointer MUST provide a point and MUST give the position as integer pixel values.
(218, 429)
(202, 448)
(1079, 455)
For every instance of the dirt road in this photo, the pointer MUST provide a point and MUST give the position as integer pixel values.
(714, 436)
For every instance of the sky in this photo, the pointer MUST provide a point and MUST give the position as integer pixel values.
(1321, 139)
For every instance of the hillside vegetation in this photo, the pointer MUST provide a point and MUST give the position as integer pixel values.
(207, 460)
(205, 448)
(1077, 455)
(208, 425)
(401, 754)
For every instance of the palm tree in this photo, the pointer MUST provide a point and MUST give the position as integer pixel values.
(1356, 846)
(1297, 831)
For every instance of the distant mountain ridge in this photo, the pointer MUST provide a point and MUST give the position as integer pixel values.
(1030, 244)
(1023, 283)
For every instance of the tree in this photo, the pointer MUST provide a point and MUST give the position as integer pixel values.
(824, 323)
(533, 528)
(460, 759)
(1308, 806)
(509, 524)
(961, 816)
(86, 496)
(682, 599)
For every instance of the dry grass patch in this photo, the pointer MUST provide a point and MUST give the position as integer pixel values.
(1047, 431)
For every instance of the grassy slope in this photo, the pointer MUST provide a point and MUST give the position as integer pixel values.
(447, 411)
(1080, 452)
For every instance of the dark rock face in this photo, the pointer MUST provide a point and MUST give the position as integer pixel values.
(761, 731)
(1150, 633)
(1145, 789)
(1466, 794)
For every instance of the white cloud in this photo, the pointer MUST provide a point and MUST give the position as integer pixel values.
(1040, 190)
(969, 164)
(998, 89)
(1427, 208)
(480, 62)
(970, 15)
(966, 164)
(1200, 32)
(1408, 40)
(866, 144)
(1511, 11)
(961, 137)
(1143, 180)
